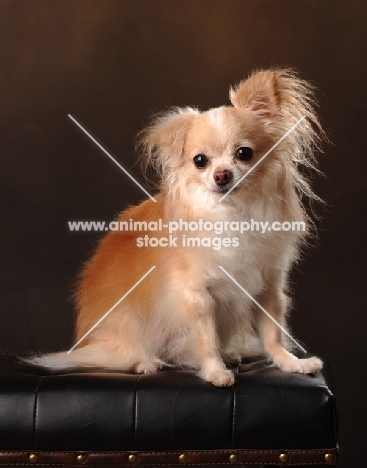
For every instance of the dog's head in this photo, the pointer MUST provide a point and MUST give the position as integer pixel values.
(210, 153)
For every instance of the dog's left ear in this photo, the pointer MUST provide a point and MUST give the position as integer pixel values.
(282, 98)
(265, 92)
(259, 93)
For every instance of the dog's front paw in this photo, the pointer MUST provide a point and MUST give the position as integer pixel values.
(220, 377)
(302, 366)
(148, 367)
(311, 365)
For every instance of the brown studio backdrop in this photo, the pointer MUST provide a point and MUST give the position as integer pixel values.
(111, 64)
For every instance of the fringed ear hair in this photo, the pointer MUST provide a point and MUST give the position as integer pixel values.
(162, 142)
(278, 92)
(282, 100)
(280, 97)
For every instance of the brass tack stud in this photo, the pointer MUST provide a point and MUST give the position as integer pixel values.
(182, 458)
(33, 458)
(329, 457)
(81, 458)
(283, 457)
(132, 458)
(233, 458)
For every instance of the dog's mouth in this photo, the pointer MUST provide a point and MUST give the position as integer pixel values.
(225, 188)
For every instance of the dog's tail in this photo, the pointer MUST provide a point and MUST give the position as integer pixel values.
(90, 355)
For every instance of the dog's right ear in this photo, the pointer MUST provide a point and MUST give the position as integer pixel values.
(162, 143)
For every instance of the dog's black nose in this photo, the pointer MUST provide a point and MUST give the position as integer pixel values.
(222, 177)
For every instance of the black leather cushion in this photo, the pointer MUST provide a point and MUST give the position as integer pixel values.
(173, 409)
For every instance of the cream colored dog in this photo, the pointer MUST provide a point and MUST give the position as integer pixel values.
(188, 312)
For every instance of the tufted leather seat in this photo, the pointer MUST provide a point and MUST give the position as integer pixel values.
(172, 418)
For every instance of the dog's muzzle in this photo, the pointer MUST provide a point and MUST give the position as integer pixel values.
(222, 178)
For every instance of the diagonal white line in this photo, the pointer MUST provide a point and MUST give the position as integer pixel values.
(262, 158)
(112, 158)
(265, 311)
(112, 308)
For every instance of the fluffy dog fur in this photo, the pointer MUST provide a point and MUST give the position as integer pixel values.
(187, 312)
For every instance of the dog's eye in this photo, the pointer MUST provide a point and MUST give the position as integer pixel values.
(244, 153)
(200, 161)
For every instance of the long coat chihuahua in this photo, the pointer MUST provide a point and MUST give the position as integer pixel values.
(188, 311)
